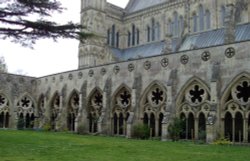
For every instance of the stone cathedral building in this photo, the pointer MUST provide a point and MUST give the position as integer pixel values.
(147, 63)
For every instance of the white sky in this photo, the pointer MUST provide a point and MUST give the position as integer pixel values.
(47, 57)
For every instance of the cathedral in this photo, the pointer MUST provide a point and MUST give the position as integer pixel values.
(147, 63)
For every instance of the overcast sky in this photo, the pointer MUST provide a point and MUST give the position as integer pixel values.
(47, 57)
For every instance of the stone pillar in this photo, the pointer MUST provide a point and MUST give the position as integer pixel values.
(245, 129)
(164, 124)
(233, 131)
(77, 120)
(4, 120)
(101, 123)
(131, 114)
(210, 128)
(129, 125)
(196, 128)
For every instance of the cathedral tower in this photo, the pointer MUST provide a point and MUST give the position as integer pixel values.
(92, 51)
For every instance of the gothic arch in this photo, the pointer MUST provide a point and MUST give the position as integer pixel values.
(152, 106)
(72, 109)
(54, 109)
(94, 107)
(4, 111)
(121, 106)
(193, 100)
(226, 93)
(26, 111)
(235, 102)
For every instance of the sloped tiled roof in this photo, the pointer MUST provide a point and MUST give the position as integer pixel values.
(194, 41)
(136, 5)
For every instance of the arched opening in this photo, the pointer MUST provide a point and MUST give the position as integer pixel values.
(127, 117)
(160, 124)
(202, 126)
(32, 121)
(145, 119)
(53, 121)
(115, 123)
(121, 119)
(7, 116)
(90, 122)
(71, 121)
(238, 127)
(183, 134)
(190, 126)
(248, 128)
(27, 121)
(228, 124)
(20, 123)
(152, 124)
(2, 120)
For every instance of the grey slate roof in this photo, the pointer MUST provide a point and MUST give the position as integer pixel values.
(136, 5)
(214, 38)
(194, 41)
(147, 50)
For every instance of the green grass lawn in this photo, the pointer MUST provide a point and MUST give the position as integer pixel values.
(44, 146)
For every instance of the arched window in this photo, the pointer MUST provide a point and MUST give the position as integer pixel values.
(170, 27)
(108, 37)
(194, 22)
(175, 24)
(153, 29)
(201, 17)
(113, 36)
(117, 39)
(148, 33)
(208, 19)
(129, 39)
(181, 25)
(137, 36)
(157, 31)
(223, 15)
(133, 35)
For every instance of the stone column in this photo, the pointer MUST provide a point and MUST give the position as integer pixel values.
(245, 129)
(196, 128)
(131, 114)
(164, 124)
(77, 120)
(4, 120)
(233, 131)
(101, 125)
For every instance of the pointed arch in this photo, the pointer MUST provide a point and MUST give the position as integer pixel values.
(72, 109)
(152, 105)
(235, 102)
(121, 106)
(227, 91)
(192, 81)
(94, 107)
(54, 107)
(149, 87)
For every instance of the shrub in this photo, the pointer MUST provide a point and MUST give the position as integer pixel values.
(47, 127)
(222, 141)
(81, 130)
(141, 131)
(175, 129)
(20, 124)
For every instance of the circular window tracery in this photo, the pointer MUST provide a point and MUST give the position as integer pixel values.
(156, 96)
(97, 100)
(3, 101)
(196, 94)
(124, 98)
(241, 92)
